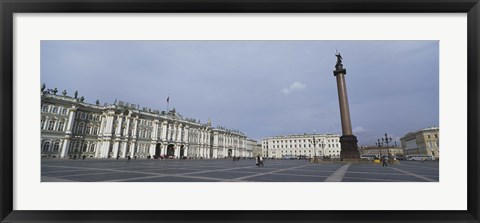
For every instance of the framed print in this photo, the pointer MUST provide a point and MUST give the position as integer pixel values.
(238, 111)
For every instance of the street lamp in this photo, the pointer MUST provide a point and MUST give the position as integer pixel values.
(387, 140)
(314, 141)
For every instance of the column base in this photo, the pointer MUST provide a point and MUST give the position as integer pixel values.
(349, 147)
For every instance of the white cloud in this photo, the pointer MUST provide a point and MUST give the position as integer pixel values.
(359, 129)
(296, 86)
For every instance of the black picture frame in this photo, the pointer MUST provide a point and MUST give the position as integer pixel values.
(9, 7)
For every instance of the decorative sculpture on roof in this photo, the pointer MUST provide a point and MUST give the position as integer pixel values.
(97, 102)
(55, 91)
(64, 92)
(43, 87)
(81, 99)
(75, 94)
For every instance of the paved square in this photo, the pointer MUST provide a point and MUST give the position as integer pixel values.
(224, 170)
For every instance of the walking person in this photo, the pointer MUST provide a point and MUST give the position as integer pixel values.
(257, 160)
(261, 161)
(128, 159)
(384, 163)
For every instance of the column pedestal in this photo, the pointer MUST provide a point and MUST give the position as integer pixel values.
(349, 147)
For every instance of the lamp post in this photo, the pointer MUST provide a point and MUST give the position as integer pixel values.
(387, 140)
(314, 142)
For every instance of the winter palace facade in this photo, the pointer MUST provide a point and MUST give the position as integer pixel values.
(72, 128)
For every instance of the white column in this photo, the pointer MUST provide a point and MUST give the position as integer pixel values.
(152, 150)
(164, 131)
(70, 119)
(102, 125)
(155, 130)
(127, 129)
(135, 128)
(185, 137)
(118, 131)
(170, 132)
(109, 128)
(64, 153)
(179, 133)
(177, 151)
(185, 150)
(124, 151)
(98, 148)
(115, 149)
(174, 133)
(132, 149)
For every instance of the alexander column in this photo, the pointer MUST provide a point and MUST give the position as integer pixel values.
(348, 141)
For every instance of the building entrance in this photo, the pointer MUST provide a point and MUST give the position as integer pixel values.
(182, 152)
(171, 150)
(230, 153)
(158, 150)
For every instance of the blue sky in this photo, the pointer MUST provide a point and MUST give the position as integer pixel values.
(262, 88)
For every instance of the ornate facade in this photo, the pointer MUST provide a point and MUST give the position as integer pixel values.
(298, 146)
(71, 128)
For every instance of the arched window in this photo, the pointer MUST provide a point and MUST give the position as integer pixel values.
(92, 147)
(46, 146)
(61, 125)
(88, 129)
(85, 147)
(45, 108)
(51, 124)
(55, 110)
(56, 146)
(42, 124)
(81, 128)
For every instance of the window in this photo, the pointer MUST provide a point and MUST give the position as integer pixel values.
(88, 130)
(95, 131)
(428, 136)
(85, 146)
(56, 146)
(60, 126)
(42, 124)
(45, 108)
(46, 145)
(51, 124)
(55, 110)
(90, 117)
(92, 147)
(64, 111)
(80, 128)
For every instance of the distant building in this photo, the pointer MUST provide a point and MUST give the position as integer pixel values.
(422, 142)
(298, 146)
(381, 151)
(257, 149)
(71, 128)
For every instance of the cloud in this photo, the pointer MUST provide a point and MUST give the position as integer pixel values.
(359, 129)
(296, 86)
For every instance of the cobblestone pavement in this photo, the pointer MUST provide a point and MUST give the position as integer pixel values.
(224, 170)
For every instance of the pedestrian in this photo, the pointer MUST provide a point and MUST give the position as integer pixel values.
(233, 160)
(128, 159)
(257, 161)
(261, 161)
(384, 163)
